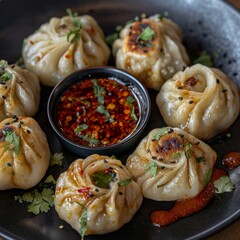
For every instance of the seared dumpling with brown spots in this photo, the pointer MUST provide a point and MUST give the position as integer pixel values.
(97, 195)
(63, 46)
(19, 91)
(24, 153)
(201, 100)
(169, 164)
(151, 49)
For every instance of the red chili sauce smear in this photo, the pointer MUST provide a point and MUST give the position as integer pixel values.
(189, 206)
(97, 112)
(231, 160)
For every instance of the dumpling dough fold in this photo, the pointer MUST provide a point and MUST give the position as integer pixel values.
(170, 164)
(49, 54)
(19, 92)
(201, 100)
(151, 49)
(24, 153)
(108, 207)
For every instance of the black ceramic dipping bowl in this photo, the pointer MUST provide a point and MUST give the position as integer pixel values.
(136, 88)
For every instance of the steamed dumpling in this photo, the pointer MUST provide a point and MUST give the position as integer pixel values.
(170, 164)
(151, 49)
(104, 187)
(24, 153)
(201, 100)
(52, 52)
(19, 91)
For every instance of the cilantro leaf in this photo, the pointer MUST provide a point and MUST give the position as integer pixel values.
(152, 167)
(40, 199)
(146, 35)
(161, 132)
(124, 182)
(99, 91)
(111, 38)
(224, 184)
(76, 22)
(176, 155)
(188, 150)
(56, 159)
(12, 141)
(204, 59)
(83, 220)
(102, 179)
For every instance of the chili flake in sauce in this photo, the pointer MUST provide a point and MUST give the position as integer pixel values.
(97, 112)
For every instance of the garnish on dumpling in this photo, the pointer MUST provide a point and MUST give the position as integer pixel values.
(170, 164)
(151, 49)
(97, 195)
(24, 153)
(64, 45)
(19, 91)
(201, 100)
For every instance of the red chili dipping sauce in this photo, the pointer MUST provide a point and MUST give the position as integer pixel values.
(97, 112)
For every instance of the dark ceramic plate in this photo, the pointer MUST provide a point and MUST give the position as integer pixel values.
(210, 25)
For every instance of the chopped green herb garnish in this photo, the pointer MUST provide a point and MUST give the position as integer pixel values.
(111, 38)
(4, 76)
(40, 199)
(102, 179)
(224, 184)
(161, 132)
(208, 177)
(80, 128)
(204, 59)
(93, 141)
(99, 91)
(152, 167)
(76, 22)
(83, 221)
(12, 141)
(201, 159)
(188, 150)
(56, 159)
(129, 102)
(101, 109)
(124, 182)
(176, 155)
(146, 36)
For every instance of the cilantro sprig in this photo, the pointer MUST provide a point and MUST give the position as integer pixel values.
(152, 167)
(161, 132)
(204, 59)
(129, 102)
(41, 198)
(224, 184)
(4, 75)
(12, 141)
(73, 35)
(124, 182)
(102, 179)
(56, 159)
(83, 220)
(146, 37)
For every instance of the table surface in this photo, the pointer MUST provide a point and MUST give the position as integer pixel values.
(232, 231)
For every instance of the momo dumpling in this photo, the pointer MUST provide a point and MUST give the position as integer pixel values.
(19, 91)
(100, 189)
(170, 164)
(24, 153)
(151, 49)
(63, 46)
(201, 100)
